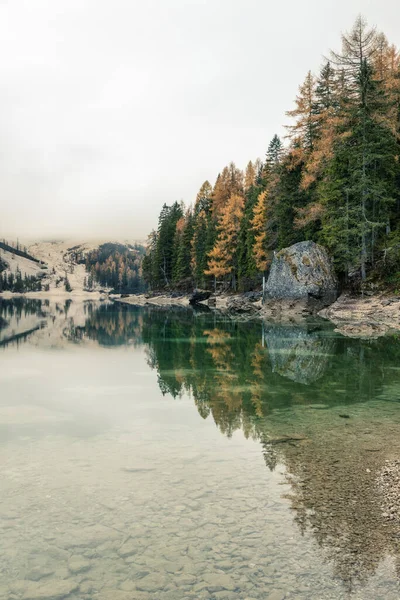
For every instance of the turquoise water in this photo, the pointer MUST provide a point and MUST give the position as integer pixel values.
(170, 454)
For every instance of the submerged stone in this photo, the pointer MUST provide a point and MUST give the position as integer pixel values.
(219, 581)
(154, 582)
(51, 590)
(78, 564)
(38, 573)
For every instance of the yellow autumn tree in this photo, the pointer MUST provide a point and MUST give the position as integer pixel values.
(250, 176)
(259, 225)
(229, 183)
(302, 132)
(386, 63)
(222, 259)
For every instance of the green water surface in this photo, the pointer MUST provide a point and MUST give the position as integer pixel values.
(161, 454)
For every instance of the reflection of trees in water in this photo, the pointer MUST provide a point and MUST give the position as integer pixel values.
(19, 338)
(333, 494)
(12, 315)
(110, 325)
(239, 374)
(241, 371)
(275, 383)
(18, 308)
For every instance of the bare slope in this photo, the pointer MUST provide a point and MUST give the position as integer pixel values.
(57, 261)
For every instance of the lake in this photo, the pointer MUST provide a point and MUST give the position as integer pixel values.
(155, 454)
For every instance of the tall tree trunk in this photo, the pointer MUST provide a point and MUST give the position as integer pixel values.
(363, 202)
(263, 288)
(347, 237)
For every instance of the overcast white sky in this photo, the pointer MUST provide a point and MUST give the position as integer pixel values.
(109, 108)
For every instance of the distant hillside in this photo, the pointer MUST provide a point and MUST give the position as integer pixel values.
(116, 266)
(3, 265)
(19, 271)
(64, 266)
(17, 250)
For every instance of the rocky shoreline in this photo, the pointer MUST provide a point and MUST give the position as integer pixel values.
(360, 317)
(368, 317)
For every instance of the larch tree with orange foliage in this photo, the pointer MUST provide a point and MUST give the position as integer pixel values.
(228, 183)
(259, 225)
(222, 260)
(250, 176)
(303, 132)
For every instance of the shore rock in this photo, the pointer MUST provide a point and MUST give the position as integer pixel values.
(241, 305)
(303, 271)
(199, 296)
(253, 296)
(367, 318)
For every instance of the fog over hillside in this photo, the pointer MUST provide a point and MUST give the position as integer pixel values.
(110, 109)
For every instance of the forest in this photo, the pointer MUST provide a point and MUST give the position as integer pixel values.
(334, 178)
(115, 266)
(18, 283)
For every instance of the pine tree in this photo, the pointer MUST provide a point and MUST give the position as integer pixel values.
(199, 248)
(273, 157)
(149, 264)
(203, 199)
(183, 244)
(360, 44)
(163, 260)
(247, 269)
(359, 192)
(204, 236)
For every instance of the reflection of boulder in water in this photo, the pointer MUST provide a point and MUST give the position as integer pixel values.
(298, 354)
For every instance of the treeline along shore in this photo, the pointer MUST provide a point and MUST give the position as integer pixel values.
(334, 179)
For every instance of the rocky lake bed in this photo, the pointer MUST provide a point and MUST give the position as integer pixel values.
(181, 454)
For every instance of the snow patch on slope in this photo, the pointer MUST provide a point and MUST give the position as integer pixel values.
(58, 261)
(14, 262)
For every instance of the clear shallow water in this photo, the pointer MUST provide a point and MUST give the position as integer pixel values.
(154, 454)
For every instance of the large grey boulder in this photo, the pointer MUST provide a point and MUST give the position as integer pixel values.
(302, 271)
